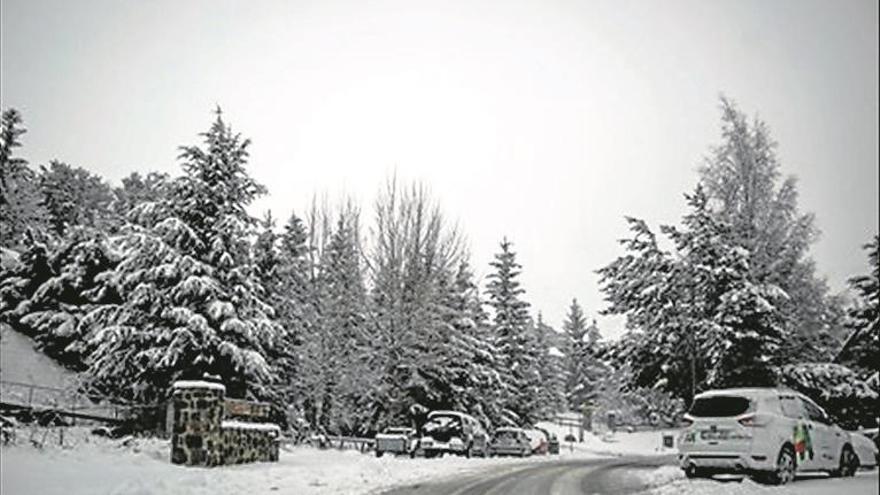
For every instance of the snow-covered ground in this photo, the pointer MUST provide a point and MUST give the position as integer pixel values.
(619, 443)
(141, 466)
(669, 480)
(21, 362)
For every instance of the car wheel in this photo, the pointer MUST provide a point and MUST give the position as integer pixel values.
(849, 463)
(693, 472)
(379, 453)
(785, 467)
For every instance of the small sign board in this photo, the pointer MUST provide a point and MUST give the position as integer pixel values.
(238, 408)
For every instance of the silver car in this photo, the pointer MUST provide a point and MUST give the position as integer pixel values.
(397, 440)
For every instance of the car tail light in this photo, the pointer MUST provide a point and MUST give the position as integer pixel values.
(752, 420)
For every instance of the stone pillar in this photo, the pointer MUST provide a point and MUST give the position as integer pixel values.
(198, 413)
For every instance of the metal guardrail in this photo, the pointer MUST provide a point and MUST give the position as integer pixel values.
(338, 442)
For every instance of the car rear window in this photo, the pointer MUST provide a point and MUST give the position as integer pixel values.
(507, 435)
(719, 406)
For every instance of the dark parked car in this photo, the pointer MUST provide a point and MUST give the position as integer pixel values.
(553, 445)
(510, 441)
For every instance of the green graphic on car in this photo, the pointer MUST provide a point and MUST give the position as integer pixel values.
(803, 444)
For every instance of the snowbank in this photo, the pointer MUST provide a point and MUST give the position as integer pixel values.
(620, 443)
(21, 362)
(669, 480)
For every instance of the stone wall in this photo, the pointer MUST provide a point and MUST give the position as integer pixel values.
(201, 436)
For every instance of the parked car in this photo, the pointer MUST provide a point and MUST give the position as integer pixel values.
(873, 434)
(553, 445)
(538, 440)
(397, 440)
(865, 448)
(453, 432)
(510, 441)
(768, 433)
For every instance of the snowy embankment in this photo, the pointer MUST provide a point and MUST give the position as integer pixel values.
(669, 480)
(95, 465)
(21, 362)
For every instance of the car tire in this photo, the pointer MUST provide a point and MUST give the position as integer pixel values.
(848, 464)
(693, 472)
(379, 453)
(786, 467)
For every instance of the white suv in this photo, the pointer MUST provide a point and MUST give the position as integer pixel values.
(768, 433)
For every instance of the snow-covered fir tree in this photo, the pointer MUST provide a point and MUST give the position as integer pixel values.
(74, 197)
(20, 207)
(862, 348)
(334, 355)
(50, 290)
(137, 189)
(698, 319)
(849, 399)
(516, 353)
(747, 191)
(551, 368)
(483, 387)
(583, 367)
(190, 300)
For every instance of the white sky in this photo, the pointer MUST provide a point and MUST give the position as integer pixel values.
(543, 121)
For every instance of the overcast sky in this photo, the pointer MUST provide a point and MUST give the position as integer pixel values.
(543, 121)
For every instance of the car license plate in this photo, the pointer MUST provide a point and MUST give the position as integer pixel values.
(714, 434)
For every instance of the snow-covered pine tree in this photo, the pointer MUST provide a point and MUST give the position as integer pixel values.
(848, 398)
(698, 319)
(266, 257)
(584, 370)
(739, 317)
(190, 302)
(331, 352)
(642, 285)
(20, 208)
(48, 292)
(516, 354)
(743, 180)
(291, 298)
(74, 197)
(861, 350)
(344, 316)
(136, 189)
(551, 368)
